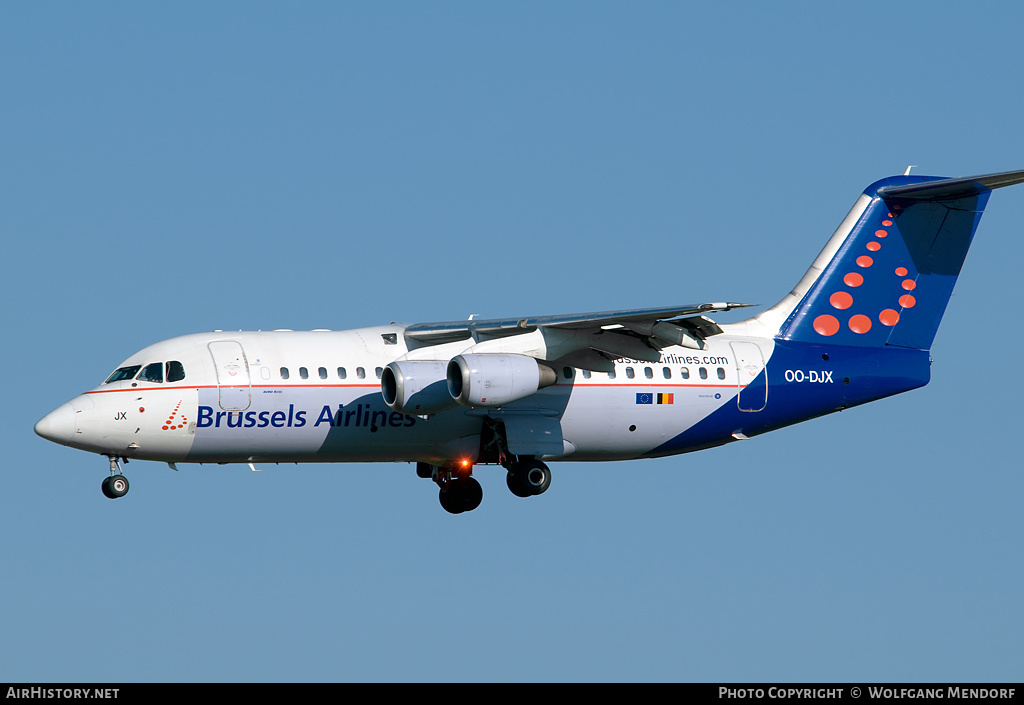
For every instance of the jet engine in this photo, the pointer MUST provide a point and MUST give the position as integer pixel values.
(416, 387)
(494, 380)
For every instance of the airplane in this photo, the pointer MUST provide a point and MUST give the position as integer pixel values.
(522, 392)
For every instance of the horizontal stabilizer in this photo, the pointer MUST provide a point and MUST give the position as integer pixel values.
(946, 189)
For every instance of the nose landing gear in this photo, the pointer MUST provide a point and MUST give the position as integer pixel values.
(117, 484)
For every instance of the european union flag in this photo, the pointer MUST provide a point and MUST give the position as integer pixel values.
(644, 398)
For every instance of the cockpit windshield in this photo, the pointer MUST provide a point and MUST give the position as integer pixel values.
(123, 373)
(153, 372)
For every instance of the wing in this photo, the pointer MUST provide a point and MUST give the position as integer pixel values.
(446, 331)
(636, 333)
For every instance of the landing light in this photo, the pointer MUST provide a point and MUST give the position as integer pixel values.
(463, 468)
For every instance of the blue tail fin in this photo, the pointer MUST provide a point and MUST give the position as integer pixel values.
(887, 274)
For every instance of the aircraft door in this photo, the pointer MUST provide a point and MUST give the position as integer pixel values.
(749, 364)
(233, 385)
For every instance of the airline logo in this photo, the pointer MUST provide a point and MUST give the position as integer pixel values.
(361, 415)
(842, 300)
(173, 422)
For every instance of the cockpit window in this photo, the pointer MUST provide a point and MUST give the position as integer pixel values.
(175, 371)
(123, 373)
(153, 372)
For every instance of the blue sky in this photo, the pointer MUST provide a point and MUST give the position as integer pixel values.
(168, 170)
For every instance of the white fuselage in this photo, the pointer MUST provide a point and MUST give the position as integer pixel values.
(287, 396)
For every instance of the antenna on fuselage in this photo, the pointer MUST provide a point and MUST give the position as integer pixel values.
(907, 172)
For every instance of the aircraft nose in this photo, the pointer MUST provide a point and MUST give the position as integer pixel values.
(58, 425)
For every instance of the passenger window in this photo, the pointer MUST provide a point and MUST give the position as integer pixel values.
(611, 375)
(175, 371)
(342, 374)
(648, 373)
(323, 372)
(666, 372)
(586, 374)
(629, 373)
(684, 372)
(122, 373)
(360, 373)
(703, 372)
(304, 373)
(153, 372)
(284, 373)
(378, 371)
(721, 373)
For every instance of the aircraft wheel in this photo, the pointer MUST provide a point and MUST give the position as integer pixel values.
(529, 478)
(471, 492)
(514, 479)
(449, 501)
(462, 495)
(115, 486)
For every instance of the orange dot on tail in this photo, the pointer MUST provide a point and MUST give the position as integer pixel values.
(853, 279)
(880, 233)
(864, 261)
(841, 300)
(887, 223)
(165, 428)
(826, 325)
(909, 284)
(901, 271)
(888, 317)
(907, 301)
(874, 246)
(860, 323)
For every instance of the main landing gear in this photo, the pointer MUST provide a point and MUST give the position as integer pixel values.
(117, 484)
(460, 492)
(527, 478)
